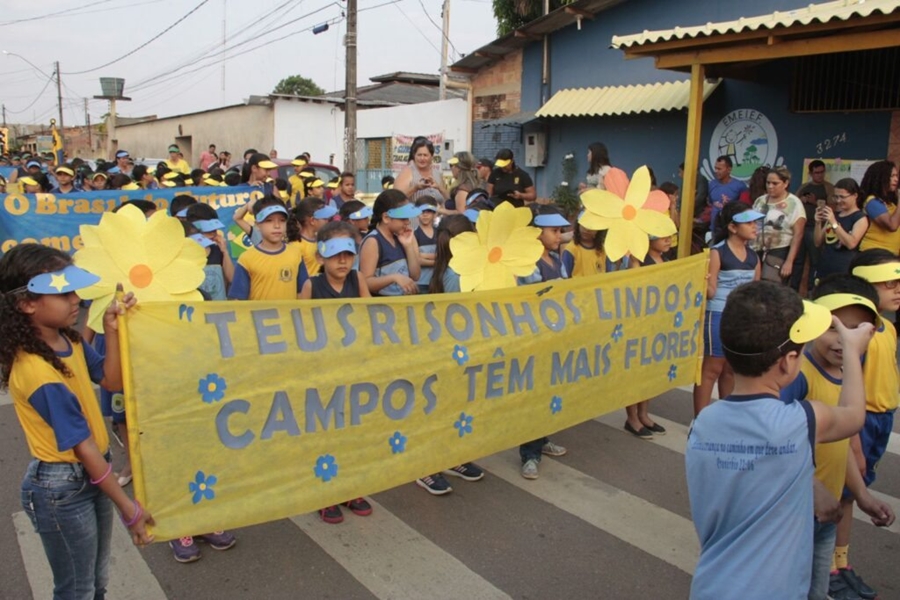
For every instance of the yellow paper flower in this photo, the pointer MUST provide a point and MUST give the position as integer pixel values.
(503, 247)
(150, 257)
(629, 220)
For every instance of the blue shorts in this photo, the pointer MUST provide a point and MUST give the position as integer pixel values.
(712, 343)
(874, 438)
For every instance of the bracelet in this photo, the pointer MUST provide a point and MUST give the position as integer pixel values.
(138, 513)
(104, 476)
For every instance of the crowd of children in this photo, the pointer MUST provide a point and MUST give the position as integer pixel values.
(796, 380)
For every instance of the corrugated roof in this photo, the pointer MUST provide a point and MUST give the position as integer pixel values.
(842, 10)
(621, 100)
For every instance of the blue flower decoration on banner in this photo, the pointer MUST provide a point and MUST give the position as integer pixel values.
(460, 354)
(326, 468)
(397, 442)
(679, 319)
(212, 388)
(555, 405)
(464, 424)
(673, 372)
(617, 333)
(202, 487)
(698, 299)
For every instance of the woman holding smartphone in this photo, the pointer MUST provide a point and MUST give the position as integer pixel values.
(421, 176)
(839, 233)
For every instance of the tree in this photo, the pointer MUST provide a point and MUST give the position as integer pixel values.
(512, 14)
(298, 85)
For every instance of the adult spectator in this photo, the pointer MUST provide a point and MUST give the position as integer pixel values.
(208, 157)
(508, 182)
(224, 162)
(123, 163)
(421, 177)
(782, 231)
(598, 167)
(724, 188)
(839, 231)
(176, 161)
(465, 179)
(816, 190)
(484, 167)
(879, 191)
(273, 154)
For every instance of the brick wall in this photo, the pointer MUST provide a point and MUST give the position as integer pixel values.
(498, 88)
(487, 140)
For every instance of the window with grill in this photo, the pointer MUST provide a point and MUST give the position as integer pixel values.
(850, 81)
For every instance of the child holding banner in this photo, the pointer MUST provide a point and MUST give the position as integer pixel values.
(549, 267)
(219, 269)
(389, 255)
(66, 492)
(425, 240)
(731, 263)
(749, 457)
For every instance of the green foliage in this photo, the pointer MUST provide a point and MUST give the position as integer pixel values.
(297, 85)
(565, 195)
(512, 14)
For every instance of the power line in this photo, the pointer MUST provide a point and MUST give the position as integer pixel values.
(438, 27)
(145, 44)
(56, 14)
(417, 28)
(38, 97)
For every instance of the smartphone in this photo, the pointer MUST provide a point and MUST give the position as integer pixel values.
(821, 203)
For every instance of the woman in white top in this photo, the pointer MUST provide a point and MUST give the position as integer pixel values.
(598, 167)
(782, 231)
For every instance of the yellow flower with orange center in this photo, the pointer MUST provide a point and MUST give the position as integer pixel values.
(629, 219)
(150, 257)
(502, 248)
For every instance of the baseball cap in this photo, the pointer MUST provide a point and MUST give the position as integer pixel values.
(504, 158)
(335, 246)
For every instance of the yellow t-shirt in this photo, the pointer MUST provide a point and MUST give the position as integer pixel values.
(261, 275)
(880, 373)
(831, 458)
(586, 261)
(58, 412)
(180, 166)
(879, 237)
(298, 190)
(309, 256)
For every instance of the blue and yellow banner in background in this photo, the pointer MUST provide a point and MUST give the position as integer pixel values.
(246, 412)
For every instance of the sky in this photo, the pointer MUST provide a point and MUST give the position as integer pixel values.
(182, 70)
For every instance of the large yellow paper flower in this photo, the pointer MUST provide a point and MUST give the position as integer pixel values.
(503, 247)
(629, 220)
(150, 257)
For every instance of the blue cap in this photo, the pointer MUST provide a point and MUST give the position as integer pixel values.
(748, 216)
(326, 212)
(472, 214)
(182, 214)
(551, 220)
(269, 211)
(208, 225)
(335, 246)
(67, 280)
(204, 241)
(364, 213)
(407, 211)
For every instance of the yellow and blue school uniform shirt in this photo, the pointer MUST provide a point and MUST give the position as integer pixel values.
(880, 374)
(308, 248)
(263, 275)
(813, 383)
(877, 236)
(57, 412)
(583, 262)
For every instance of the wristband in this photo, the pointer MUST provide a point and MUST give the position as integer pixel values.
(138, 512)
(104, 476)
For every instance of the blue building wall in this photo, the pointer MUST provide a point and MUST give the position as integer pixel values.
(584, 59)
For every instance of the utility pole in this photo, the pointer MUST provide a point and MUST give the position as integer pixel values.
(87, 124)
(59, 97)
(445, 35)
(4, 115)
(350, 90)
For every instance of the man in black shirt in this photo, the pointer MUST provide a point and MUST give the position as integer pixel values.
(510, 183)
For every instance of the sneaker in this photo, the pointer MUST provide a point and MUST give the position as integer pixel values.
(185, 550)
(838, 589)
(857, 584)
(360, 507)
(467, 471)
(551, 449)
(218, 540)
(115, 432)
(332, 514)
(530, 468)
(435, 484)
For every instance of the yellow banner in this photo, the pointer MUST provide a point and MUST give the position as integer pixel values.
(246, 412)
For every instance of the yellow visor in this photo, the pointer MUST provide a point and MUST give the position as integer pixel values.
(879, 273)
(835, 301)
(815, 320)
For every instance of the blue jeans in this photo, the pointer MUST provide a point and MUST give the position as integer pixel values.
(532, 450)
(74, 519)
(823, 550)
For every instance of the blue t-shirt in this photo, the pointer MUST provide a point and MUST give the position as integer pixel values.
(749, 463)
(721, 194)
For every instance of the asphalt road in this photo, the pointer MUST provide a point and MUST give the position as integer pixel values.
(609, 520)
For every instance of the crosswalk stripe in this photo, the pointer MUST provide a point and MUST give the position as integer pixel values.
(393, 560)
(655, 530)
(676, 440)
(129, 575)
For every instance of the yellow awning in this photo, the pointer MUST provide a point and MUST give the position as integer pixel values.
(621, 100)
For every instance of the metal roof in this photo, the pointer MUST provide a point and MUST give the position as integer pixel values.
(621, 100)
(842, 10)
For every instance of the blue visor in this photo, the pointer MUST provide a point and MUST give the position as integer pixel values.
(552, 220)
(326, 212)
(122, 154)
(67, 280)
(204, 241)
(748, 216)
(475, 198)
(363, 213)
(269, 211)
(206, 226)
(335, 246)
(182, 214)
(472, 214)
(407, 211)
(425, 207)
(32, 163)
